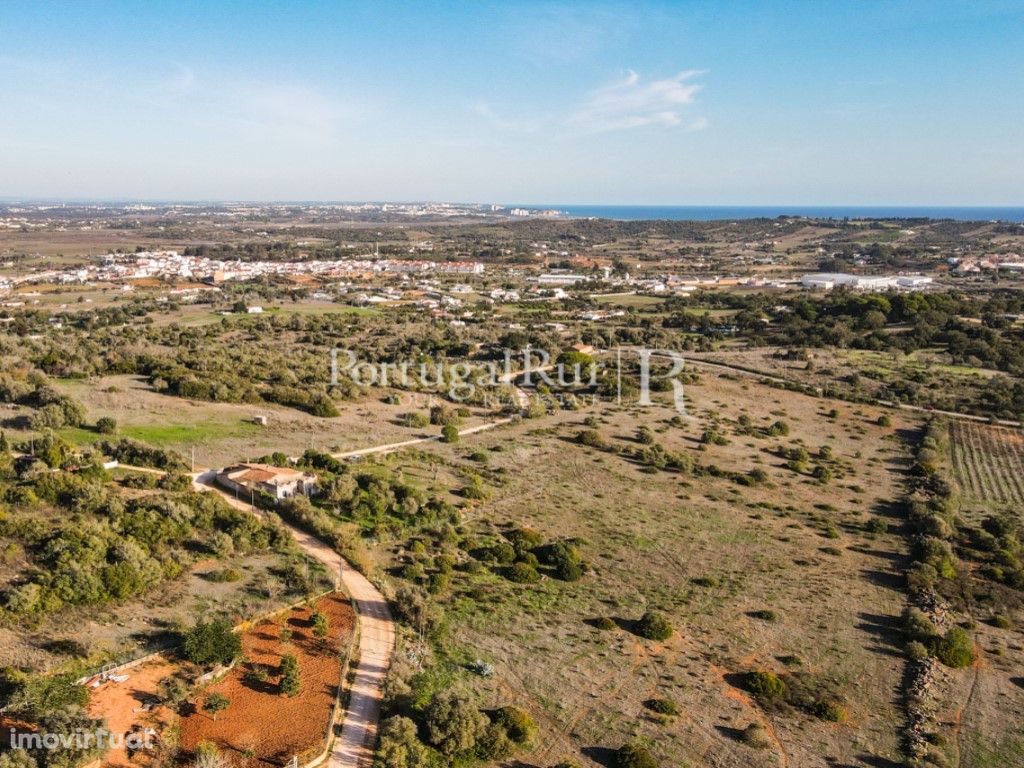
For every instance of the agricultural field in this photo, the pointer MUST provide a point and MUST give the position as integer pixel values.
(988, 463)
(260, 727)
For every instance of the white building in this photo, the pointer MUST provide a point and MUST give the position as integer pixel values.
(278, 482)
(826, 281)
(560, 278)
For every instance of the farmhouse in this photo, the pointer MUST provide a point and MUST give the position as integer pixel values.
(279, 482)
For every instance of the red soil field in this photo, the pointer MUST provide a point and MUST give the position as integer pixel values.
(121, 705)
(262, 727)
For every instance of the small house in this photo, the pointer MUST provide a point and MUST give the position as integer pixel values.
(278, 482)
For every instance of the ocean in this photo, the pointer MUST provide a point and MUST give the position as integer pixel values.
(717, 212)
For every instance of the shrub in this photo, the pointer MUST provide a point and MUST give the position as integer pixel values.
(591, 438)
(289, 683)
(517, 723)
(523, 573)
(256, 674)
(106, 425)
(877, 525)
(634, 756)
(449, 433)
(564, 558)
(213, 642)
(831, 710)
(415, 420)
(758, 476)
(174, 692)
(413, 572)
(524, 539)
(766, 686)
(453, 724)
(764, 615)
(955, 649)
(916, 651)
(438, 583)
(605, 623)
(921, 577)
(216, 703)
(321, 625)
(399, 745)
(494, 744)
(442, 415)
(654, 626)
(822, 474)
(662, 706)
(475, 489)
(756, 736)
(917, 626)
(222, 575)
(35, 697)
(503, 553)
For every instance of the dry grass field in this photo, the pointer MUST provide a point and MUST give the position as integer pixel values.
(123, 630)
(782, 576)
(224, 432)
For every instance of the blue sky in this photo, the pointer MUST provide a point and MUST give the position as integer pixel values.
(825, 102)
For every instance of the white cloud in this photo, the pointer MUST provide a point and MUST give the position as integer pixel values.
(288, 110)
(522, 125)
(627, 103)
(632, 103)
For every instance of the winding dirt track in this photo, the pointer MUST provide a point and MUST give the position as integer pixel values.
(356, 735)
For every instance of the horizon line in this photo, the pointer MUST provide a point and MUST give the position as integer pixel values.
(7, 199)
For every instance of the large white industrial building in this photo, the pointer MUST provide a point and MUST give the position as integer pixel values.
(826, 281)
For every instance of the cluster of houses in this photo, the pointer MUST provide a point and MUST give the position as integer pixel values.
(1007, 262)
(117, 267)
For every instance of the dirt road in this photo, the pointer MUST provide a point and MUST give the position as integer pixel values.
(733, 368)
(357, 734)
(391, 447)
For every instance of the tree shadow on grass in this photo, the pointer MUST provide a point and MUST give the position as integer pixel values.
(894, 582)
(886, 632)
(874, 761)
(604, 756)
(736, 734)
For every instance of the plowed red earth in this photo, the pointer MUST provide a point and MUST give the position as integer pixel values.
(261, 727)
